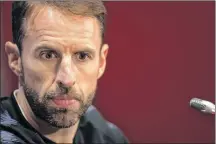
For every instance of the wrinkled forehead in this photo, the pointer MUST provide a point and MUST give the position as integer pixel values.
(48, 18)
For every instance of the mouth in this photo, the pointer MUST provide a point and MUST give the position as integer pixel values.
(65, 101)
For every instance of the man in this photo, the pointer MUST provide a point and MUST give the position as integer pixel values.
(58, 54)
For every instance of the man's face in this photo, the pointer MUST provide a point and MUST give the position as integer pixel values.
(62, 59)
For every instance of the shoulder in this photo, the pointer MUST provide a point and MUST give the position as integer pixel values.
(115, 133)
(6, 118)
(109, 131)
(9, 138)
(5, 103)
(5, 99)
(11, 130)
(7, 110)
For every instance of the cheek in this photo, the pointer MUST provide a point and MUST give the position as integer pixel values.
(88, 79)
(37, 76)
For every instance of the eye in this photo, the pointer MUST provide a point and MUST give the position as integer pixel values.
(48, 55)
(83, 56)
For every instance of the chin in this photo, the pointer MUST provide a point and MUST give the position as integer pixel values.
(64, 120)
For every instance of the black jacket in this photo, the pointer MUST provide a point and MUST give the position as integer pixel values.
(93, 128)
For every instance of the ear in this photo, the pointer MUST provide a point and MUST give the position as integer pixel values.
(14, 59)
(103, 57)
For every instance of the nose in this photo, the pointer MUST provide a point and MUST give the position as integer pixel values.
(66, 74)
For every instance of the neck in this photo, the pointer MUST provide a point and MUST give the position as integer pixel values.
(58, 135)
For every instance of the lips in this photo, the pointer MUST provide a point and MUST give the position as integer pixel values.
(64, 101)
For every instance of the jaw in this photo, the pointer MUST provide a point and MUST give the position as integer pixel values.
(25, 107)
(40, 125)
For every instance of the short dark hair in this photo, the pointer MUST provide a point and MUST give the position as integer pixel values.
(23, 9)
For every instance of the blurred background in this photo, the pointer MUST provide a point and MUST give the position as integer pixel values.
(161, 55)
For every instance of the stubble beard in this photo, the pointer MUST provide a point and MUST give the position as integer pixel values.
(55, 116)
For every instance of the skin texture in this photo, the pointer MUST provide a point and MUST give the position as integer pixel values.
(62, 58)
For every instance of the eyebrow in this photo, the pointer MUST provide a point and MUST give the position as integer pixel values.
(46, 47)
(54, 48)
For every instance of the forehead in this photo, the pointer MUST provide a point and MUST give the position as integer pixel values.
(48, 20)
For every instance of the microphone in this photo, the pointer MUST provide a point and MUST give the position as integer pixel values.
(202, 105)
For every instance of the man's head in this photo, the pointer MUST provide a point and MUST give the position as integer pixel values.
(59, 55)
